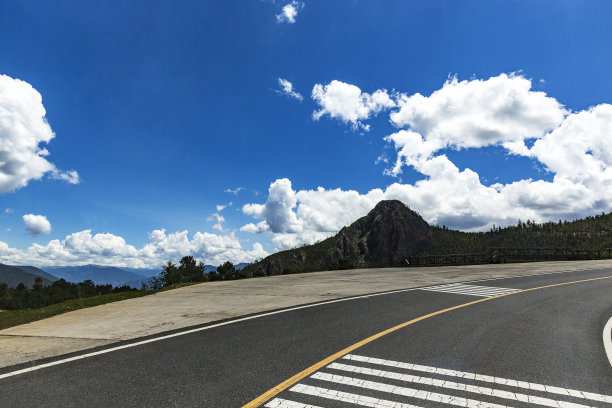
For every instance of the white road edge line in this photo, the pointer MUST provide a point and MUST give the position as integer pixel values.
(112, 349)
(348, 397)
(607, 339)
(481, 293)
(473, 292)
(466, 286)
(484, 378)
(199, 329)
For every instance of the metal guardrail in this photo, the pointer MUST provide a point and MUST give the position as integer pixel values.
(503, 255)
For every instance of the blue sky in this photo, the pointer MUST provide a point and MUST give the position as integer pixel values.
(160, 107)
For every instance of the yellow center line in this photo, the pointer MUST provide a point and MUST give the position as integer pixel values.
(299, 376)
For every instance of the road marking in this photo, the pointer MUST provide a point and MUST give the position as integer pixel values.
(475, 389)
(190, 331)
(348, 397)
(283, 403)
(607, 339)
(404, 391)
(483, 378)
(474, 290)
(299, 376)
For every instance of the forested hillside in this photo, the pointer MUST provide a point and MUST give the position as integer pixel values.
(391, 233)
(588, 233)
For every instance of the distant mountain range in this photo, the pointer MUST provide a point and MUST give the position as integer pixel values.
(147, 272)
(14, 275)
(100, 275)
(138, 282)
(37, 272)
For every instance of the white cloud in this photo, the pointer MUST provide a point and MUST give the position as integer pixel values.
(220, 207)
(9, 211)
(293, 218)
(218, 219)
(289, 12)
(287, 89)
(255, 228)
(37, 224)
(579, 150)
(107, 249)
(278, 209)
(346, 102)
(71, 176)
(502, 111)
(234, 191)
(23, 128)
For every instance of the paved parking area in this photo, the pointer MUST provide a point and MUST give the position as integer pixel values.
(213, 301)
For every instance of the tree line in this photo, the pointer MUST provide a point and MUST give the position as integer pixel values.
(592, 233)
(188, 270)
(22, 297)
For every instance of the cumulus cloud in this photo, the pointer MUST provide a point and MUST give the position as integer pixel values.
(37, 224)
(287, 89)
(293, 218)
(218, 219)
(348, 103)
(463, 114)
(255, 228)
(289, 12)
(23, 131)
(107, 249)
(502, 111)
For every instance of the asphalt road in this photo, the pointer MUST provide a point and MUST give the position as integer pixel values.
(507, 351)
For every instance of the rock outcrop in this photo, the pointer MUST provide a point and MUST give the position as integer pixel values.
(389, 234)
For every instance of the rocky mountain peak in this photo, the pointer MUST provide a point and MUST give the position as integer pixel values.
(386, 236)
(391, 232)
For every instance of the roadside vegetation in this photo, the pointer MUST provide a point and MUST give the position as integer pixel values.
(10, 318)
(590, 233)
(38, 296)
(22, 305)
(188, 270)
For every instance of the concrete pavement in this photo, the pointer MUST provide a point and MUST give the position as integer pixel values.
(213, 301)
(544, 344)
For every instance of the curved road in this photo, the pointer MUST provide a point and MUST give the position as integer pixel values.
(533, 348)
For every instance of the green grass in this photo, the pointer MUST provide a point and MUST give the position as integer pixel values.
(10, 318)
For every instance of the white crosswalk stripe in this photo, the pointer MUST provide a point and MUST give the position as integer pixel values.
(484, 378)
(404, 391)
(283, 403)
(473, 290)
(349, 397)
(449, 384)
(365, 383)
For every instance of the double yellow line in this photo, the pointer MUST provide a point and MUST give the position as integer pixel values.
(299, 376)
